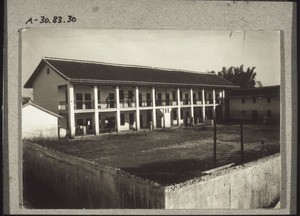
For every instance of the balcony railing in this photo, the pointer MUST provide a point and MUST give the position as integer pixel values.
(145, 103)
(166, 102)
(62, 105)
(84, 104)
(127, 103)
(209, 101)
(186, 101)
(107, 104)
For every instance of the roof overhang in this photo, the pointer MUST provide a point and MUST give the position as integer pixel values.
(134, 83)
(41, 108)
(43, 62)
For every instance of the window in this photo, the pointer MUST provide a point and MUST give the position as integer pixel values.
(130, 95)
(199, 95)
(254, 100)
(180, 95)
(79, 100)
(243, 100)
(121, 95)
(131, 118)
(99, 94)
(181, 114)
(174, 95)
(79, 122)
(122, 119)
(243, 113)
(48, 71)
(174, 114)
(66, 95)
(269, 113)
(268, 100)
(209, 96)
(88, 100)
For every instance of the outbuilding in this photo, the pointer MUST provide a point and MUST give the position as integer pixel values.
(39, 122)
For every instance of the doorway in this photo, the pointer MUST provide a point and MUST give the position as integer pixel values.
(111, 100)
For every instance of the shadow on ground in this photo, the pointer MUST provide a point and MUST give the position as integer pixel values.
(177, 171)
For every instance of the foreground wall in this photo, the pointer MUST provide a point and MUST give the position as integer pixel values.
(254, 185)
(78, 183)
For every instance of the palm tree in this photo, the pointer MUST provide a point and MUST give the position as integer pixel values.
(237, 75)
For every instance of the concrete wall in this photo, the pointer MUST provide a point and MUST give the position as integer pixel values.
(37, 123)
(78, 183)
(254, 185)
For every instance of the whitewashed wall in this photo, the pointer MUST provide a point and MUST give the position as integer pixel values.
(37, 123)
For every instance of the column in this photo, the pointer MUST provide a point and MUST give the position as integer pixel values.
(203, 102)
(214, 103)
(154, 108)
(179, 109)
(137, 104)
(118, 117)
(192, 103)
(71, 114)
(96, 110)
(223, 104)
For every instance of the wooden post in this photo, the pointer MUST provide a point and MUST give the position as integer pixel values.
(215, 143)
(242, 144)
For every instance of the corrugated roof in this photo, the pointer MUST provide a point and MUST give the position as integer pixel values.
(95, 72)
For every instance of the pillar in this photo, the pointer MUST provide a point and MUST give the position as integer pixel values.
(71, 113)
(137, 104)
(154, 108)
(223, 104)
(179, 109)
(214, 103)
(118, 117)
(96, 120)
(203, 102)
(192, 103)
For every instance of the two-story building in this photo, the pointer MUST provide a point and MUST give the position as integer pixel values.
(95, 97)
(257, 105)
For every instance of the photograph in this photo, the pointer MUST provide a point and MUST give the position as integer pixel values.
(151, 119)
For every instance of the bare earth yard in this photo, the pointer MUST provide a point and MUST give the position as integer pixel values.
(174, 155)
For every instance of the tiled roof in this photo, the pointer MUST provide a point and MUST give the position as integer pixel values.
(259, 91)
(42, 108)
(97, 72)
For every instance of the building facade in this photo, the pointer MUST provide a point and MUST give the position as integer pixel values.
(39, 122)
(96, 97)
(256, 105)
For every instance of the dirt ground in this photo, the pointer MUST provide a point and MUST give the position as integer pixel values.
(174, 155)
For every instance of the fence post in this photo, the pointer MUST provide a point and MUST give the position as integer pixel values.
(242, 143)
(215, 143)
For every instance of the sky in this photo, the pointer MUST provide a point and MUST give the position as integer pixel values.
(193, 50)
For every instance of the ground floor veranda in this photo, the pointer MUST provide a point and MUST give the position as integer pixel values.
(135, 120)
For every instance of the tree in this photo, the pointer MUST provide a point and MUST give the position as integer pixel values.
(237, 75)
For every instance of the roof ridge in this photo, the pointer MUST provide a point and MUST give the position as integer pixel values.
(127, 65)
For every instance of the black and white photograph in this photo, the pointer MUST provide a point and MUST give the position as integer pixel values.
(182, 107)
(151, 119)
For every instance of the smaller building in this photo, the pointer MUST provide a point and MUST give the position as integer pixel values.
(256, 105)
(39, 122)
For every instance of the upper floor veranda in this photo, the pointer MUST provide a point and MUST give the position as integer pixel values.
(88, 98)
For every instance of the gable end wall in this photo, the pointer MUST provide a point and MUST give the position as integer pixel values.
(45, 89)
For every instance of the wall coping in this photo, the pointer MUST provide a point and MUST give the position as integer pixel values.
(221, 172)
